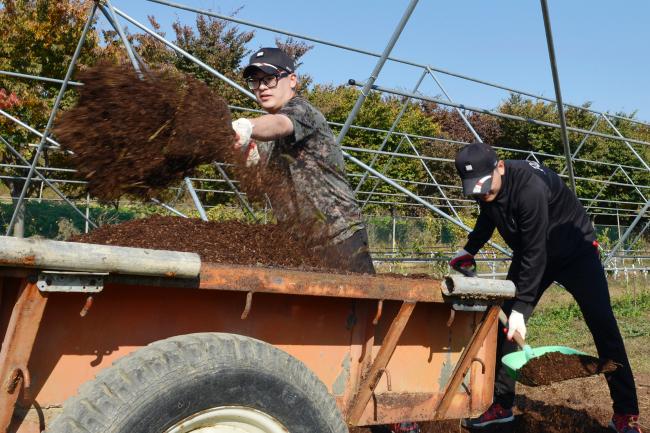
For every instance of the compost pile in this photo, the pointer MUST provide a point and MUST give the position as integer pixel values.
(137, 137)
(217, 242)
(555, 366)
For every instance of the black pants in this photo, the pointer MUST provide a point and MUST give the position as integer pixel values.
(350, 255)
(583, 277)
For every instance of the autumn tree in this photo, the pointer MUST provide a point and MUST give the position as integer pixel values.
(38, 38)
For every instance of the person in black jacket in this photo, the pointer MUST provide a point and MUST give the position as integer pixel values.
(552, 239)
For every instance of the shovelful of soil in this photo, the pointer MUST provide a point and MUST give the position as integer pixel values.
(556, 366)
(137, 137)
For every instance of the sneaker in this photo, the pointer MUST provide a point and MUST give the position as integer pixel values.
(622, 423)
(496, 414)
(405, 427)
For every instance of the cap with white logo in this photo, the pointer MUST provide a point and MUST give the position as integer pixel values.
(270, 60)
(475, 164)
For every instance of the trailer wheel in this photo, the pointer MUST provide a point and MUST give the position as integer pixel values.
(203, 383)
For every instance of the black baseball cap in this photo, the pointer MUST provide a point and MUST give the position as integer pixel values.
(475, 164)
(270, 60)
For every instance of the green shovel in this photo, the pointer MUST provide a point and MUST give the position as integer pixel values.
(515, 360)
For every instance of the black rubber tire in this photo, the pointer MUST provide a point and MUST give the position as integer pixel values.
(155, 387)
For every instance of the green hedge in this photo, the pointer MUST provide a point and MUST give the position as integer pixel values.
(59, 221)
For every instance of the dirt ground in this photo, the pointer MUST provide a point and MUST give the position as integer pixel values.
(572, 406)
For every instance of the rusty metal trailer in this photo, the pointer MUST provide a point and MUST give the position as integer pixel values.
(137, 340)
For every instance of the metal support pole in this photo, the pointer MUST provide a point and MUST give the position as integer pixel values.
(493, 113)
(375, 73)
(35, 77)
(185, 53)
(373, 54)
(426, 168)
(384, 170)
(458, 110)
(558, 94)
(53, 143)
(47, 182)
(593, 200)
(169, 208)
(109, 13)
(405, 105)
(393, 240)
(196, 200)
(418, 199)
(86, 228)
(609, 122)
(633, 184)
(50, 121)
(242, 200)
(637, 237)
(627, 233)
(584, 140)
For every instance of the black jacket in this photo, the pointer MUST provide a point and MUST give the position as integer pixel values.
(540, 219)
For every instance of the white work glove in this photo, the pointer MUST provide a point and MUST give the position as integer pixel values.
(244, 129)
(516, 323)
(252, 154)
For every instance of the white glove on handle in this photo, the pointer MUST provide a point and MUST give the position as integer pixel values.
(244, 129)
(516, 323)
(252, 154)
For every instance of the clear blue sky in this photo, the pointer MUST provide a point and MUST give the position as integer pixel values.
(602, 47)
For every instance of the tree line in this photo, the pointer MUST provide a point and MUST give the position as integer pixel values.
(39, 37)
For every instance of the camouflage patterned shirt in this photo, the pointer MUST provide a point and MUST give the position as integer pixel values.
(311, 191)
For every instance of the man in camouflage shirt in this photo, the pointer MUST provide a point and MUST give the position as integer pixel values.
(309, 188)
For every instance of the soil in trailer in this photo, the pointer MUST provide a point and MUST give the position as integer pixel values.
(230, 242)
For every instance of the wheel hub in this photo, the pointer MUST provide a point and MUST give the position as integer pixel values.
(229, 419)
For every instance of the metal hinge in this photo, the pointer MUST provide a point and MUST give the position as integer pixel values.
(468, 306)
(71, 282)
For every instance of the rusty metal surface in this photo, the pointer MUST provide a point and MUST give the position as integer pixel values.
(379, 365)
(464, 363)
(17, 347)
(334, 337)
(271, 280)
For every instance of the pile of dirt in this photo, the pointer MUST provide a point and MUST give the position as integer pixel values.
(573, 406)
(137, 137)
(230, 242)
(555, 367)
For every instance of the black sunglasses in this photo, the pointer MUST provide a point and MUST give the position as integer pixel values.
(270, 81)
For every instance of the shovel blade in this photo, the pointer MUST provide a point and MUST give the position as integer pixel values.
(514, 361)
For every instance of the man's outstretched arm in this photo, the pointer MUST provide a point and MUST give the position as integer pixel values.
(264, 128)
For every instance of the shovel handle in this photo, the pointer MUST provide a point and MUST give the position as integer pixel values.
(517, 336)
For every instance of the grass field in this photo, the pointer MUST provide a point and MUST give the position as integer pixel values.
(558, 321)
